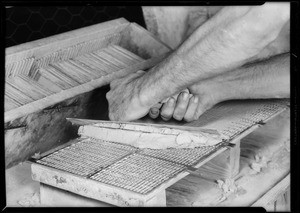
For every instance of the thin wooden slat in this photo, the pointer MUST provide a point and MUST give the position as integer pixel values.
(274, 192)
(125, 52)
(107, 57)
(120, 56)
(49, 84)
(42, 47)
(16, 94)
(93, 63)
(86, 69)
(9, 104)
(73, 91)
(98, 70)
(52, 75)
(109, 67)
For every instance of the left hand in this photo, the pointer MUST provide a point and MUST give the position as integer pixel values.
(124, 98)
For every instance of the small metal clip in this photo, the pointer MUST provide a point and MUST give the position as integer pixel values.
(15, 127)
(228, 144)
(261, 122)
(231, 145)
(191, 168)
(58, 108)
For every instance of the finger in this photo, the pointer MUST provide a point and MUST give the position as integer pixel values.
(191, 109)
(199, 112)
(168, 109)
(181, 106)
(154, 111)
(186, 90)
(201, 109)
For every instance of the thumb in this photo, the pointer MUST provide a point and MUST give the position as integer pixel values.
(200, 110)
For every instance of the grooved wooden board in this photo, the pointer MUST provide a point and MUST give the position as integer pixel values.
(61, 76)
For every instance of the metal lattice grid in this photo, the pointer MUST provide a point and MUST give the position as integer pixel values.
(261, 113)
(87, 156)
(138, 173)
(122, 165)
(187, 157)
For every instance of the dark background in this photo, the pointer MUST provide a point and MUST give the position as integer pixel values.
(24, 24)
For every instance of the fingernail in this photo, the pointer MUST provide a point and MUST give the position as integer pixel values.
(196, 99)
(185, 96)
(154, 111)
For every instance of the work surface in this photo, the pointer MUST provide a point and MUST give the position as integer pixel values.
(103, 170)
(271, 141)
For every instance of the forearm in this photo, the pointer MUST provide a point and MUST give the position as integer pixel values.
(222, 44)
(265, 79)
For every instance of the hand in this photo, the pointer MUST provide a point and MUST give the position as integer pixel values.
(187, 106)
(124, 98)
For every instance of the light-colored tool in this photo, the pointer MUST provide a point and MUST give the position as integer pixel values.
(145, 135)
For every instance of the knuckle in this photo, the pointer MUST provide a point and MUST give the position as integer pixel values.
(108, 95)
(114, 83)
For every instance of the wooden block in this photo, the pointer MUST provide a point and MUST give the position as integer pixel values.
(224, 166)
(275, 195)
(84, 187)
(99, 191)
(235, 159)
(159, 200)
(55, 197)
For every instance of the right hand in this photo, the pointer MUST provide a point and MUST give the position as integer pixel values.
(188, 106)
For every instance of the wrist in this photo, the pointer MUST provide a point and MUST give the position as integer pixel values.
(144, 91)
(228, 87)
(155, 87)
(214, 92)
